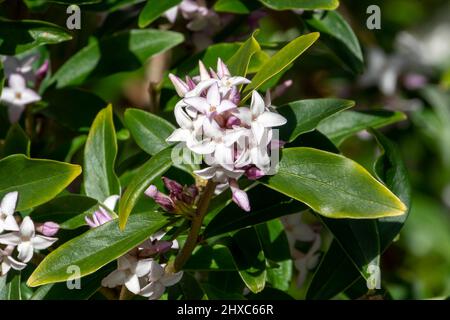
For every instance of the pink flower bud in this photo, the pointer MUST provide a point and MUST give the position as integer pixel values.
(239, 196)
(180, 86)
(174, 187)
(160, 198)
(253, 173)
(48, 228)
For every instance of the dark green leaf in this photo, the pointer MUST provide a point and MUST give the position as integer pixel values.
(301, 4)
(16, 142)
(153, 10)
(239, 62)
(37, 181)
(233, 6)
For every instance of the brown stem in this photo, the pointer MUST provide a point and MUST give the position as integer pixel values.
(197, 221)
(124, 293)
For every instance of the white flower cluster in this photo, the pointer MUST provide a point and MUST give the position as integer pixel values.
(23, 238)
(140, 273)
(196, 12)
(232, 140)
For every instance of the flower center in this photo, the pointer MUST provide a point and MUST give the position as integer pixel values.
(18, 95)
(212, 109)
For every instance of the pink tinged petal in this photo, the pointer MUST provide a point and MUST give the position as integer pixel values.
(277, 144)
(10, 224)
(151, 191)
(271, 119)
(254, 173)
(156, 271)
(27, 228)
(204, 74)
(222, 69)
(125, 262)
(175, 245)
(160, 198)
(181, 117)
(233, 121)
(15, 112)
(48, 228)
(17, 82)
(4, 267)
(42, 242)
(170, 279)
(111, 202)
(258, 131)
(226, 105)
(9, 202)
(190, 83)
(235, 81)
(25, 250)
(180, 86)
(179, 135)
(8, 95)
(12, 238)
(213, 96)
(199, 103)
(102, 216)
(43, 69)
(257, 106)
(203, 147)
(114, 279)
(239, 196)
(171, 14)
(200, 87)
(29, 96)
(143, 267)
(244, 114)
(224, 156)
(153, 291)
(90, 222)
(132, 284)
(206, 173)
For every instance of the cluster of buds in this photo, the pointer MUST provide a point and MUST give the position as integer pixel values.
(23, 237)
(233, 141)
(22, 83)
(181, 199)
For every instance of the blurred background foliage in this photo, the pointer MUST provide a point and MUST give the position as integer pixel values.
(417, 265)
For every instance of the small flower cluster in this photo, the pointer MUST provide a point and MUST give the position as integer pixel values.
(19, 74)
(24, 238)
(138, 269)
(196, 12)
(232, 140)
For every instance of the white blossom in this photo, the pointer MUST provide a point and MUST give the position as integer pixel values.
(7, 208)
(157, 281)
(7, 262)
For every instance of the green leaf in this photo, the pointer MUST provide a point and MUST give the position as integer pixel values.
(153, 10)
(73, 108)
(301, 4)
(148, 130)
(96, 248)
(16, 142)
(249, 259)
(332, 185)
(77, 2)
(270, 205)
(280, 61)
(239, 62)
(37, 181)
(216, 294)
(343, 125)
(13, 287)
(305, 115)
(152, 169)
(68, 211)
(276, 250)
(336, 271)
(123, 51)
(339, 37)
(2, 76)
(216, 257)
(100, 180)
(19, 36)
(233, 6)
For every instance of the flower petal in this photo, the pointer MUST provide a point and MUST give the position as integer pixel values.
(17, 82)
(222, 69)
(29, 96)
(153, 291)
(169, 279)
(199, 103)
(257, 106)
(156, 271)
(27, 228)
(114, 279)
(271, 119)
(213, 96)
(42, 242)
(10, 224)
(9, 202)
(25, 250)
(132, 284)
(143, 267)
(12, 238)
(111, 202)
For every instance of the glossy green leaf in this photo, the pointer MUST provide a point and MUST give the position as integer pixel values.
(37, 181)
(270, 205)
(343, 125)
(332, 185)
(68, 211)
(216, 294)
(336, 271)
(249, 258)
(16, 142)
(100, 179)
(305, 115)
(276, 250)
(13, 286)
(280, 61)
(339, 37)
(239, 62)
(73, 108)
(216, 257)
(301, 4)
(131, 49)
(153, 10)
(77, 2)
(233, 6)
(19, 36)
(96, 248)
(152, 169)
(148, 130)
